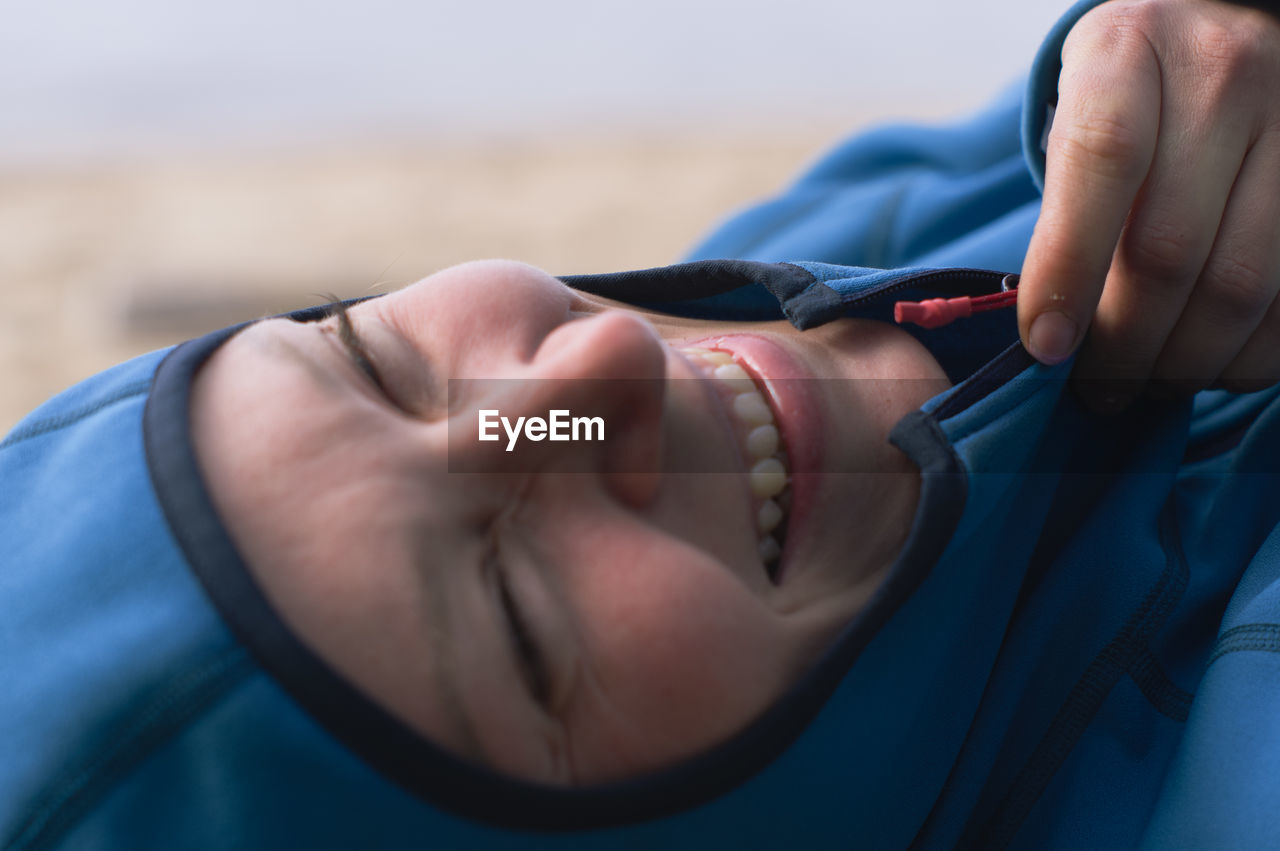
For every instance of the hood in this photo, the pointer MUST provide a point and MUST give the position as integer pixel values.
(163, 697)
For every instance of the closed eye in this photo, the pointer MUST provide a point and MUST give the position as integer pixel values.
(354, 346)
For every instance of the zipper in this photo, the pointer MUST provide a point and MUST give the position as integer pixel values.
(1005, 365)
(936, 312)
(985, 276)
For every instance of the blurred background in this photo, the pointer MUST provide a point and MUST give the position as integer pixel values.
(168, 167)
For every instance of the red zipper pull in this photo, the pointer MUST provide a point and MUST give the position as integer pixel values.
(936, 312)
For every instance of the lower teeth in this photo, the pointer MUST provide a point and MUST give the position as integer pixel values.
(770, 545)
(770, 549)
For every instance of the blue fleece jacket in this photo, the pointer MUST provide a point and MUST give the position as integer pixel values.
(1077, 646)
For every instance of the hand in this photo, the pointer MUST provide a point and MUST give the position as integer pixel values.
(1161, 204)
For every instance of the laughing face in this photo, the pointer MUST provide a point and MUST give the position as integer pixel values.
(602, 608)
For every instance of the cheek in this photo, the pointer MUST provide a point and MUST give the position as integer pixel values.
(679, 655)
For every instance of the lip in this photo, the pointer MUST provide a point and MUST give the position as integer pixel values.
(796, 412)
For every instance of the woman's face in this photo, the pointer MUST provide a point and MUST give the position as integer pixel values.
(569, 612)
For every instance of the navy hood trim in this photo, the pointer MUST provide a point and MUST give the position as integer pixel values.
(436, 775)
(999, 370)
(696, 280)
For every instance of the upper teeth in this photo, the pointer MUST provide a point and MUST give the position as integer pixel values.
(752, 407)
(760, 442)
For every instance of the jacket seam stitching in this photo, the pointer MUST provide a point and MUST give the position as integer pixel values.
(133, 390)
(1075, 715)
(1260, 637)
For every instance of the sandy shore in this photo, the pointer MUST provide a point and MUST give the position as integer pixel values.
(106, 262)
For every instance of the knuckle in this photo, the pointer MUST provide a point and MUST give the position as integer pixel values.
(1238, 289)
(1160, 252)
(1144, 16)
(1224, 53)
(1115, 30)
(1216, 43)
(1056, 240)
(1101, 141)
(1257, 365)
(1120, 22)
(1096, 27)
(1232, 54)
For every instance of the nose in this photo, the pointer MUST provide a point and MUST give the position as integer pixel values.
(599, 385)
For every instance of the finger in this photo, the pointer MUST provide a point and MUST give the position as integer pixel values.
(1164, 246)
(1231, 328)
(1099, 152)
(1257, 366)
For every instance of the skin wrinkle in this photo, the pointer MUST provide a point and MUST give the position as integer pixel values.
(523, 633)
(496, 573)
(445, 672)
(568, 677)
(275, 346)
(562, 684)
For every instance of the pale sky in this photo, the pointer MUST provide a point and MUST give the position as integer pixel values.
(94, 76)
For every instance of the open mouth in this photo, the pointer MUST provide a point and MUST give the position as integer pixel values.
(761, 446)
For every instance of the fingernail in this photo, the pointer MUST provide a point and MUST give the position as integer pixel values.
(1052, 336)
